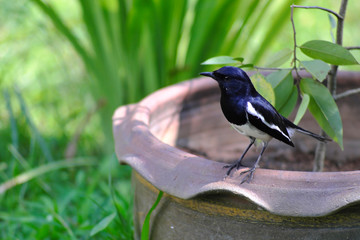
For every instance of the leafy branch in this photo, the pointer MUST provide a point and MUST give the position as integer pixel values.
(317, 98)
(331, 84)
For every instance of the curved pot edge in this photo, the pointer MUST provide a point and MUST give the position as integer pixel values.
(271, 189)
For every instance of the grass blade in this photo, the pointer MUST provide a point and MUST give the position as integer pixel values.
(248, 15)
(36, 172)
(273, 29)
(44, 148)
(146, 226)
(102, 224)
(122, 210)
(56, 20)
(65, 225)
(26, 166)
(13, 127)
(210, 15)
(244, 41)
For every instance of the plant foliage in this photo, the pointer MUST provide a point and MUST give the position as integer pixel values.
(134, 47)
(316, 97)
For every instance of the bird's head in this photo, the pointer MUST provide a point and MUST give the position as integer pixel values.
(232, 80)
(228, 73)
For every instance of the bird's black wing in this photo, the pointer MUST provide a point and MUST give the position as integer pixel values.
(264, 116)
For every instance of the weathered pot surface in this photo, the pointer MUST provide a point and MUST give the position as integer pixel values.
(148, 134)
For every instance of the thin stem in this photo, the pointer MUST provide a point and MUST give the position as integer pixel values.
(295, 45)
(347, 93)
(340, 27)
(353, 48)
(321, 147)
(339, 37)
(275, 69)
(319, 157)
(339, 16)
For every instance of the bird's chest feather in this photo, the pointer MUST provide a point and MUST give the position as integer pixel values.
(234, 110)
(249, 130)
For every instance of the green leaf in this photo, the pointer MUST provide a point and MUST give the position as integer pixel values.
(283, 91)
(102, 224)
(320, 118)
(317, 68)
(146, 226)
(324, 109)
(248, 65)
(290, 104)
(282, 83)
(302, 108)
(240, 59)
(279, 58)
(328, 52)
(220, 60)
(332, 26)
(276, 77)
(263, 87)
(332, 21)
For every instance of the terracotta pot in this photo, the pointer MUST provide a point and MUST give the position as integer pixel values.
(199, 202)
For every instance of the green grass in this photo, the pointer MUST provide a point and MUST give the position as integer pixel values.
(44, 100)
(44, 196)
(50, 198)
(68, 204)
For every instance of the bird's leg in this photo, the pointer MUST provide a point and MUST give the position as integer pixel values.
(250, 173)
(237, 164)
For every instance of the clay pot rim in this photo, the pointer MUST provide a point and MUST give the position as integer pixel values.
(282, 192)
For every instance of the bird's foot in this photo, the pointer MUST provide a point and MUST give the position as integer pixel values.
(230, 167)
(249, 172)
(249, 175)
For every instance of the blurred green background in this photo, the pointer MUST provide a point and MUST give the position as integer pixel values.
(65, 66)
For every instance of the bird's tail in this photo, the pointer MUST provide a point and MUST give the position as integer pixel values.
(316, 136)
(306, 132)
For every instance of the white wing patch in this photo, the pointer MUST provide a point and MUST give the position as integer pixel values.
(251, 110)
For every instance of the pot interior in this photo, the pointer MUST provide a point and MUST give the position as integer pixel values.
(196, 124)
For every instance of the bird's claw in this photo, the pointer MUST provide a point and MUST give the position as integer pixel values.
(236, 165)
(249, 173)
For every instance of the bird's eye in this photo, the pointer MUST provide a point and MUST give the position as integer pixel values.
(226, 77)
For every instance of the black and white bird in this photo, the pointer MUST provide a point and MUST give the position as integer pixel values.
(251, 114)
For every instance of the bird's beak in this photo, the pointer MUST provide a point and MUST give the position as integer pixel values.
(208, 74)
